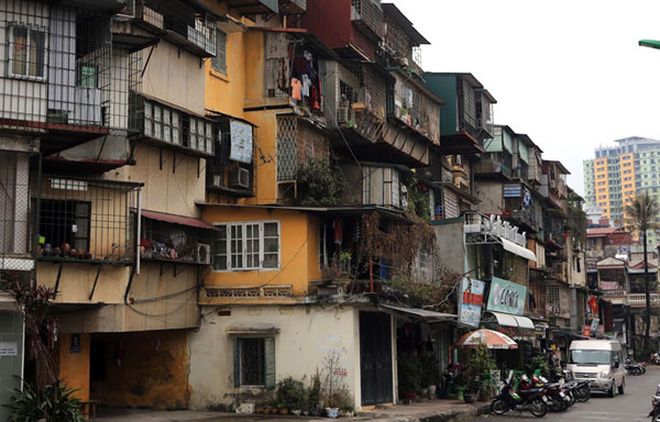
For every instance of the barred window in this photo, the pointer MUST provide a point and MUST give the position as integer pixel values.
(219, 62)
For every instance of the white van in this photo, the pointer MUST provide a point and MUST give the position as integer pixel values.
(601, 363)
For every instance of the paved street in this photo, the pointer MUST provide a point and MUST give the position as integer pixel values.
(633, 406)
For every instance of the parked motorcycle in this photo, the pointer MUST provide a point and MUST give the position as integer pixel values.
(655, 412)
(533, 400)
(559, 398)
(634, 368)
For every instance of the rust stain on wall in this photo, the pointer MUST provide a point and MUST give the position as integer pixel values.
(142, 370)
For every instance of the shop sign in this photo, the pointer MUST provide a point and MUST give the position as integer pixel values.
(524, 334)
(471, 301)
(495, 226)
(506, 296)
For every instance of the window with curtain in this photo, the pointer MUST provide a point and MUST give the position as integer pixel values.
(27, 52)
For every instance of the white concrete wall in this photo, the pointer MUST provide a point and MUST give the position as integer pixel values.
(490, 194)
(175, 76)
(307, 334)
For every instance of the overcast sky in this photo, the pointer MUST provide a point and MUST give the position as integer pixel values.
(567, 73)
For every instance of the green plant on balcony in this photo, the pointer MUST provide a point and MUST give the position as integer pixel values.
(319, 183)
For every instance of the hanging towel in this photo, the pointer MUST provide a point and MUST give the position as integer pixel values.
(306, 83)
(296, 89)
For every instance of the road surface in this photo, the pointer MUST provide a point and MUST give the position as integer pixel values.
(633, 406)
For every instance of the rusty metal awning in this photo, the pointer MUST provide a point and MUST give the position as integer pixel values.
(177, 219)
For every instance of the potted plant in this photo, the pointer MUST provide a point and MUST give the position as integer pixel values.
(409, 372)
(290, 395)
(460, 382)
(314, 395)
(477, 368)
(429, 374)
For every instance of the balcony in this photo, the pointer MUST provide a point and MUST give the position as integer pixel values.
(299, 141)
(175, 239)
(367, 16)
(638, 300)
(171, 128)
(231, 170)
(493, 165)
(189, 28)
(86, 220)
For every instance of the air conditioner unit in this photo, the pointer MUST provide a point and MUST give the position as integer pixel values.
(203, 254)
(240, 178)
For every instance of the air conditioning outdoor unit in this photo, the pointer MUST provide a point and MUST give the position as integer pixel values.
(240, 178)
(203, 254)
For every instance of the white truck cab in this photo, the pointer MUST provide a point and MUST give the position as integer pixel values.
(601, 363)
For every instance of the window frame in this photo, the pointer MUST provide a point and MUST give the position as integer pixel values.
(30, 29)
(220, 67)
(230, 240)
(269, 361)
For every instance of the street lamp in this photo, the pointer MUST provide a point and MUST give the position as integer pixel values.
(650, 43)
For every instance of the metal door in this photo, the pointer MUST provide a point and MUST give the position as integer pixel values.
(375, 358)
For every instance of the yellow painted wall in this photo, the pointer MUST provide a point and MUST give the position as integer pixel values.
(254, 66)
(266, 155)
(626, 162)
(225, 93)
(74, 367)
(600, 168)
(299, 249)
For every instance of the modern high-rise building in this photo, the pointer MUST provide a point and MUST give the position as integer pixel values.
(619, 172)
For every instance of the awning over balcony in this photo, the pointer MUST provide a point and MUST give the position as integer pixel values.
(517, 249)
(177, 219)
(429, 316)
(460, 143)
(509, 320)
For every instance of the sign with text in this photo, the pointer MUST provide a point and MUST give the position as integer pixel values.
(506, 296)
(471, 301)
(8, 349)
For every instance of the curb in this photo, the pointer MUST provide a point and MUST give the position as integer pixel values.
(443, 416)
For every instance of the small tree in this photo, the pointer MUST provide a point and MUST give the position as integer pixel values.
(642, 216)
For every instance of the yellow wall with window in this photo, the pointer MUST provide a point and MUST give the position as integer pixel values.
(299, 249)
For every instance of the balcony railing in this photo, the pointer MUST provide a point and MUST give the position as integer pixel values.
(191, 30)
(614, 293)
(367, 15)
(86, 220)
(640, 298)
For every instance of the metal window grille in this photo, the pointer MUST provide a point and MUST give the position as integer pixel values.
(86, 219)
(297, 142)
(219, 62)
(15, 207)
(59, 69)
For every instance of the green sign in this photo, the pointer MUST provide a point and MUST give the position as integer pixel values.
(506, 296)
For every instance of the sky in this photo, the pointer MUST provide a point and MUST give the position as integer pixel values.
(569, 74)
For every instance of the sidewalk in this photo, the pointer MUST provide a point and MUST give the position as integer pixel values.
(426, 411)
